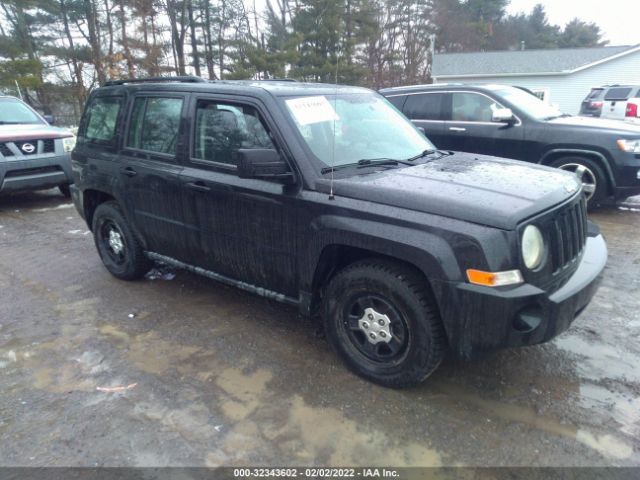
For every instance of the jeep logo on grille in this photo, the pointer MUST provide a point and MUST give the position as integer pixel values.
(28, 148)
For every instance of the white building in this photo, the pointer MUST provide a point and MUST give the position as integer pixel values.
(562, 77)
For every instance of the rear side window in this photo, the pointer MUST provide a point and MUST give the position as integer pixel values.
(101, 119)
(221, 129)
(155, 124)
(618, 93)
(397, 101)
(424, 106)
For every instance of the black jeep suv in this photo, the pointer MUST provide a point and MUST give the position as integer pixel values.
(329, 199)
(509, 122)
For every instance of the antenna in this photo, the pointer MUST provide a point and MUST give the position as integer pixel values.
(335, 114)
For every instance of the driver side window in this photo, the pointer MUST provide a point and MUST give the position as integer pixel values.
(221, 129)
(471, 107)
(155, 124)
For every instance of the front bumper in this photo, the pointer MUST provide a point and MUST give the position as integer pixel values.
(480, 319)
(35, 173)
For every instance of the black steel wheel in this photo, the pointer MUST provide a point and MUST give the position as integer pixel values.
(381, 319)
(120, 251)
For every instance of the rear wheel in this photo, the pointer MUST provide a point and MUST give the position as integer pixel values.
(119, 249)
(381, 319)
(594, 181)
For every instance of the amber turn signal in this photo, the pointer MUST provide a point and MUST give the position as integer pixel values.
(494, 279)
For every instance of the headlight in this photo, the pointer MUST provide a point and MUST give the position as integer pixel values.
(631, 146)
(532, 247)
(68, 143)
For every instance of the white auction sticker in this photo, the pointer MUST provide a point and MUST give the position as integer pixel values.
(308, 110)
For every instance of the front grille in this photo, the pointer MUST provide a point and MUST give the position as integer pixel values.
(5, 150)
(568, 232)
(48, 145)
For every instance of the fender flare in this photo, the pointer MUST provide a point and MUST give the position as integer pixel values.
(602, 160)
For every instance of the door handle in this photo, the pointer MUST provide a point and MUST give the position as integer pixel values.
(457, 129)
(198, 186)
(129, 172)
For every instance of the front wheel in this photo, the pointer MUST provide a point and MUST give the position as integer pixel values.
(594, 182)
(119, 249)
(381, 319)
(64, 190)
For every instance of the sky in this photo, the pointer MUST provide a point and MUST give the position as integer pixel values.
(617, 19)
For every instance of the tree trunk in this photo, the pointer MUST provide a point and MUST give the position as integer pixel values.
(194, 40)
(125, 41)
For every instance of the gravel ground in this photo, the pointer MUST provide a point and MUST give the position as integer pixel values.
(216, 376)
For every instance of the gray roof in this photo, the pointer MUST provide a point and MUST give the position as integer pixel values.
(523, 62)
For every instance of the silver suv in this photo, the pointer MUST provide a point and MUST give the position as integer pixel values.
(33, 154)
(616, 101)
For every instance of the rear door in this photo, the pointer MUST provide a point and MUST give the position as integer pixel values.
(471, 129)
(95, 156)
(150, 165)
(615, 102)
(425, 111)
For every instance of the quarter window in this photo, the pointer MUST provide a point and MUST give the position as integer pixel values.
(471, 107)
(155, 124)
(221, 129)
(101, 119)
(426, 106)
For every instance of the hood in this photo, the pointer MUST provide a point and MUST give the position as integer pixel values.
(39, 131)
(598, 124)
(475, 188)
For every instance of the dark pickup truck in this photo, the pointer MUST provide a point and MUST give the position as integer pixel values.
(329, 199)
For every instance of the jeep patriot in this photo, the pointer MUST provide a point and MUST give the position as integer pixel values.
(327, 198)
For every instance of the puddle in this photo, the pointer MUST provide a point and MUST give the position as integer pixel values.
(601, 361)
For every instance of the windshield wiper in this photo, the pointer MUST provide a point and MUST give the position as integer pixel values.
(366, 162)
(426, 153)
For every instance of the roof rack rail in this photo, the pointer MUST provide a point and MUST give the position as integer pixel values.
(182, 78)
(277, 80)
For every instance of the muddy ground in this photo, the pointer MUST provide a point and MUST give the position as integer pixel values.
(217, 376)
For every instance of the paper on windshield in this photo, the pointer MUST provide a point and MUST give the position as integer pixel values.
(308, 110)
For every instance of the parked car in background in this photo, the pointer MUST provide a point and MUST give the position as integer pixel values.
(33, 154)
(327, 198)
(507, 122)
(592, 104)
(632, 111)
(616, 99)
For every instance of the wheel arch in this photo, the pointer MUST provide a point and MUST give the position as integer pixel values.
(91, 199)
(334, 257)
(557, 153)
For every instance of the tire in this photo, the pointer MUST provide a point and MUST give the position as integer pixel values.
(398, 296)
(593, 179)
(64, 190)
(119, 249)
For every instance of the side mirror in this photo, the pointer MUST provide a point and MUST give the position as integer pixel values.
(263, 163)
(50, 119)
(503, 115)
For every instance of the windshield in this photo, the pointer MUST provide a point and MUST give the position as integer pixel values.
(13, 111)
(366, 126)
(529, 104)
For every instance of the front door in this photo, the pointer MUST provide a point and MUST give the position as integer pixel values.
(150, 171)
(470, 128)
(244, 229)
